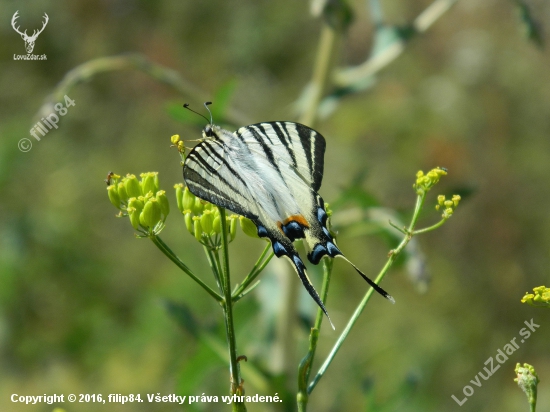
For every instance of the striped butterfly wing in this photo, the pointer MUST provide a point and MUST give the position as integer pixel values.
(270, 173)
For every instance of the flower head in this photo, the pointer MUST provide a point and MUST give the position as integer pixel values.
(539, 297)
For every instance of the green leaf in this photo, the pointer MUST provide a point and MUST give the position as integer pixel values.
(531, 25)
(221, 99)
(355, 193)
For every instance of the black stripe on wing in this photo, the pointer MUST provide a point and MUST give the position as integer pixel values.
(209, 184)
(314, 145)
(207, 191)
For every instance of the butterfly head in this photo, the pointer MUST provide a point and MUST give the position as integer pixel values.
(209, 131)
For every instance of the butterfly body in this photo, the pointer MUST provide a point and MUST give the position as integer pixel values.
(270, 173)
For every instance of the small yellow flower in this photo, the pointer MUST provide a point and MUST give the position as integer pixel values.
(540, 297)
(425, 182)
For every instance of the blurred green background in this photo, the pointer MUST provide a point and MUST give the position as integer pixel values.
(85, 307)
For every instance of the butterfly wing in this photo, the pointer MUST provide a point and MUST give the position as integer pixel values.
(270, 173)
(265, 172)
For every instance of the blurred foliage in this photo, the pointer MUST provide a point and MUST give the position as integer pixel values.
(83, 304)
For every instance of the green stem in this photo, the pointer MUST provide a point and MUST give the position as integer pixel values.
(392, 257)
(88, 70)
(321, 70)
(430, 228)
(172, 256)
(304, 369)
(236, 383)
(254, 272)
(214, 266)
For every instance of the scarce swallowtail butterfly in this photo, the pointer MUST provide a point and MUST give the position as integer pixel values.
(270, 173)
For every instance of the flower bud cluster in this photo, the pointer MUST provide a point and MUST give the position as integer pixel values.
(540, 297)
(448, 206)
(140, 200)
(424, 182)
(527, 380)
(177, 142)
(202, 218)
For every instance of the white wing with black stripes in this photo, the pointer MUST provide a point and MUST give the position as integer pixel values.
(269, 173)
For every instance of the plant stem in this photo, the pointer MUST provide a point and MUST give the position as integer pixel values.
(391, 259)
(320, 77)
(214, 266)
(351, 75)
(132, 61)
(172, 256)
(304, 369)
(256, 270)
(235, 386)
(320, 74)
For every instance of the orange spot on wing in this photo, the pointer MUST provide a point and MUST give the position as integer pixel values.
(300, 219)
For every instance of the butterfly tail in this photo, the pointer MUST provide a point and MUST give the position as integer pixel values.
(302, 274)
(322, 244)
(368, 280)
(286, 249)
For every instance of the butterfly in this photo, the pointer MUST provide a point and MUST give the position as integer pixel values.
(271, 173)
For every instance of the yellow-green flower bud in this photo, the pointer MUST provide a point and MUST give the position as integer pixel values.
(163, 202)
(136, 204)
(456, 199)
(197, 229)
(179, 196)
(233, 227)
(527, 380)
(133, 213)
(447, 213)
(540, 297)
(198, 206)
(181, 146)
(188, 217)
(122, 192)
(114, 197)
(248, 227)
(132, 186)
(151, 213)
(148, 183)
(440, 199)
(216, 226)
(207, 220)
(425, 182)
(448, 203)
(175, 139)
(328, 210)
(188, 199)
(156, 179)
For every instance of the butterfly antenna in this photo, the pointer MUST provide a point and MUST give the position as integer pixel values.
(186, 106)
(206, 104)
(369, 281)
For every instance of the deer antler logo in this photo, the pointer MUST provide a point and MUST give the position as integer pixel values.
(29, 40)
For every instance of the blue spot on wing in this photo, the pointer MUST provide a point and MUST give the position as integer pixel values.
(332, 249)
(279, 249)
(293, 230)
(322, 216)
(262, 231)
(317, 253)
